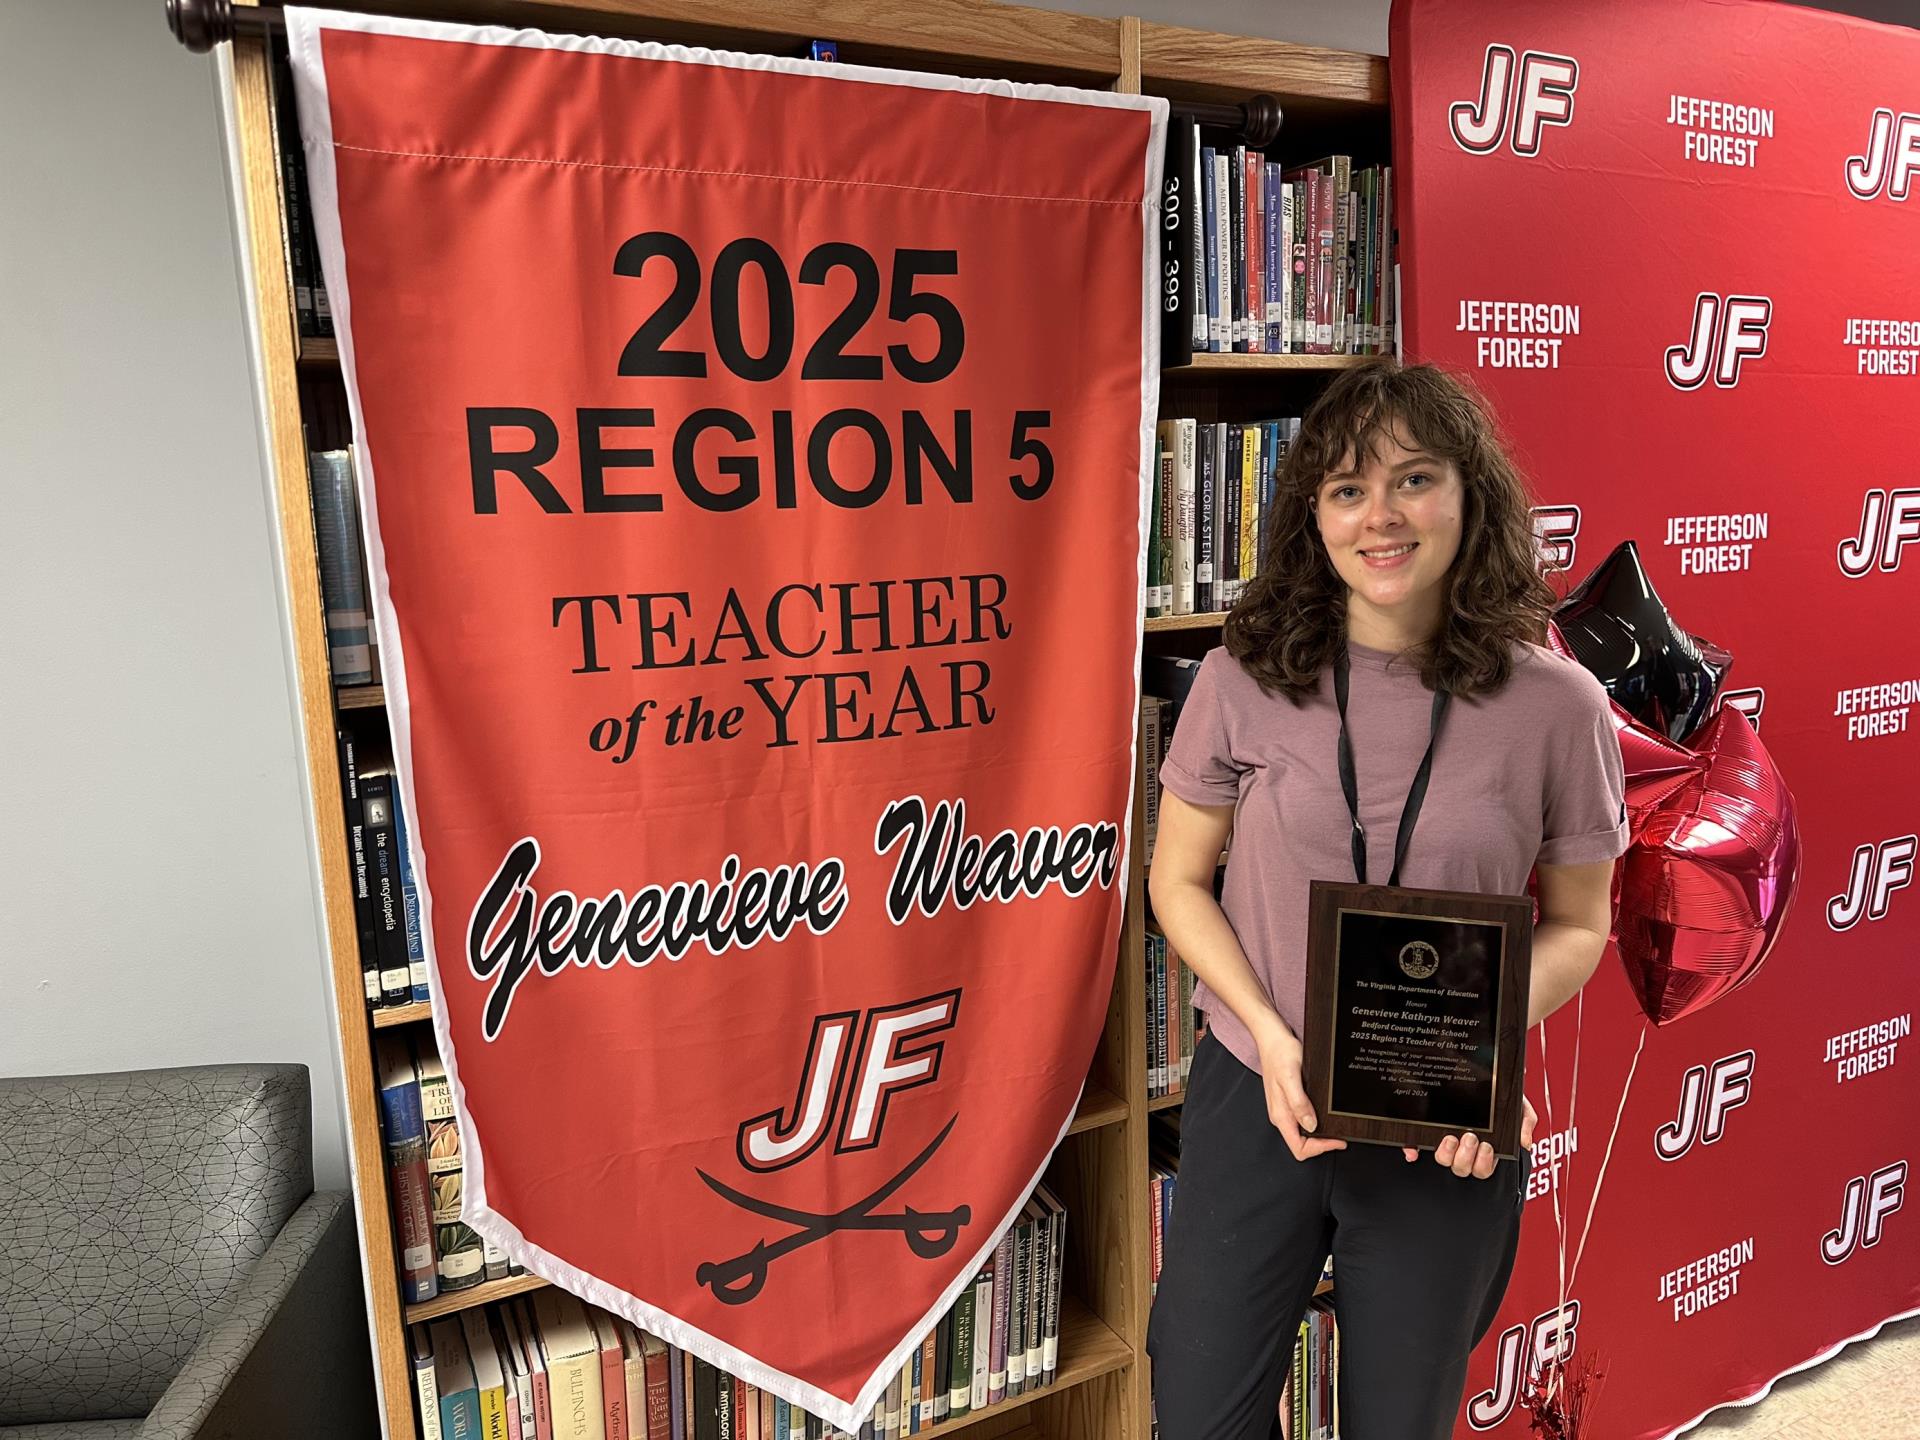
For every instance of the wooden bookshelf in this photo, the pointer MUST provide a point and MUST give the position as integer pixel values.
(448, 1302)
(1255, 364)
(1211, 620)
(414, 1014)
(361, 697)
(1100, 1169)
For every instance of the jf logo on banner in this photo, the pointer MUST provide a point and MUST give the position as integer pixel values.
(752, 456)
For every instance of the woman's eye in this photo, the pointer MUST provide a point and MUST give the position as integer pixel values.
(1420, 475)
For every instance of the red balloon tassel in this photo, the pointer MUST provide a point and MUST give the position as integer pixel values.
(1564, 1409)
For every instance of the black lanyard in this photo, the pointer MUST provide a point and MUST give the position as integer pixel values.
(1415, 796)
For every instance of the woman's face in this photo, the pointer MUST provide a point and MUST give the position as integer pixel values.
(1392, 529)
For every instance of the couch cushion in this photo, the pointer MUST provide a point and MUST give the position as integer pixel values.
(74, 1430)
(129, 1204)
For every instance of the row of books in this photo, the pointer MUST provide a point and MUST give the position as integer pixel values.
(312, 314)
(497, 1370)
(1213, 483)
(1310, 1405)
(1262, 258)
(386, 902)
(438, 1251)
(1172, 1024)
(353, 654)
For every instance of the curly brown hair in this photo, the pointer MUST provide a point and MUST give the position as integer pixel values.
(1291, 620)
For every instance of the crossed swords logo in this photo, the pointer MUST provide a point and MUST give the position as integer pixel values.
(929, 1234)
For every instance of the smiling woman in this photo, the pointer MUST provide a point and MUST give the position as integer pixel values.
(1383, 706)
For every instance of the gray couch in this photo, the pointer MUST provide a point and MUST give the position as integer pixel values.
(166, 1269)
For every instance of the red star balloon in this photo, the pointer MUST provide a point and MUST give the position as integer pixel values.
(1706, 885)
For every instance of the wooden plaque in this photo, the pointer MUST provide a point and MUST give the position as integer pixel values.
(1416, 1013)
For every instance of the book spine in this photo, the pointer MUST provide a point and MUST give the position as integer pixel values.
(409, 902)
(426, 1385)
(1183, 521)
(1187, 1038)
(982, 1336)
(928, 1369)
(1343, 252)
(389, 912)
(1016, 1312)
(1237, 245)
(997, 1326)
(1326, 212)
(1386, 259)
(1284, 239)
(343, 585)
(1156, 1043)
(1226, 557)
(960, 1367)
(1298, 272)
(1169, 1015)
(1249, 503)
(293, 195)
(1155, 541)
(1056, 1267)
(1276, 269)
(914, 1380)
(1256, 253)
(1210, 251)
(1205, 600)
(1036, 1288)
(357, 864)
(1169, 497)
(1222, 252)
(942, 1367)
(1302, 1409)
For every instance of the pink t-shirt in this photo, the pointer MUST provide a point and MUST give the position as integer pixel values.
(1532, 773)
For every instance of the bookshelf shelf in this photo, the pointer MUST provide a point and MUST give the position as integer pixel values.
(360, 697)
(1211, 620)
(1254, 364)
(420, 1010)
(1330, 100)
(454, 1301)
(1099, 1107)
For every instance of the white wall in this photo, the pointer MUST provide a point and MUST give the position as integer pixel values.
(156, 903)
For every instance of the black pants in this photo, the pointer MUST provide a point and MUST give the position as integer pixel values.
(1421, 1259)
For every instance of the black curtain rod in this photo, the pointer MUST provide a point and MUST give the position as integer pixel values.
(202, 24)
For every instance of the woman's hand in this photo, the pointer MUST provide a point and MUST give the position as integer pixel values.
(1287, 1105)
(1465, 1155)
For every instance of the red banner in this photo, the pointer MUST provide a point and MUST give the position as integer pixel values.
(752, 455)
(1677, 246)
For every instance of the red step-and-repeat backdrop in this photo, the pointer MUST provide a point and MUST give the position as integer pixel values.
(1678, 245)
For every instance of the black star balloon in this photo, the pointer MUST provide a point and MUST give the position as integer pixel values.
(1617, 627)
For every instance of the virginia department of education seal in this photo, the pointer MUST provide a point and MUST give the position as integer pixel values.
(1418, 959)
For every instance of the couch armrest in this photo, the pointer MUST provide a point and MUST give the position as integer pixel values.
(288, 1353)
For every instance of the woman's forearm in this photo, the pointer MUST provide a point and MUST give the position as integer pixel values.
(1198, 930)
(1564, 959)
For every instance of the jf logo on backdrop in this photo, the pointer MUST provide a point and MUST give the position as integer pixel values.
(1676, 245)
(752, 455)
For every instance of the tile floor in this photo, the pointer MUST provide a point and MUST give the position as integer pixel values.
(1869, 1391)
